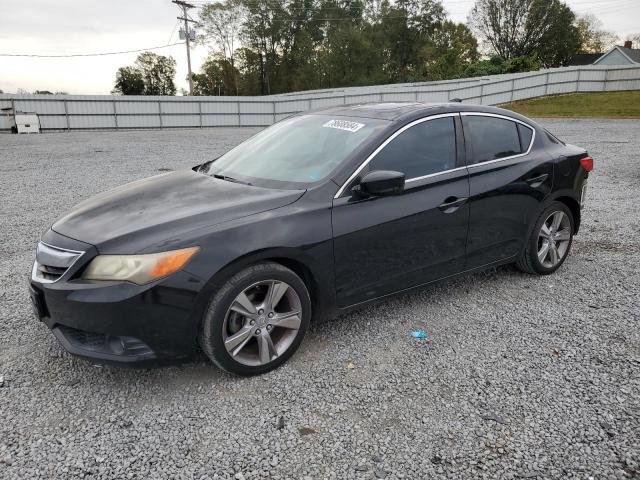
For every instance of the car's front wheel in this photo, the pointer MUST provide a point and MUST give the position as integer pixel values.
(550, 241)
(256, 320)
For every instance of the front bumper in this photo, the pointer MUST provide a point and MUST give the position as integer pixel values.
(120, 322)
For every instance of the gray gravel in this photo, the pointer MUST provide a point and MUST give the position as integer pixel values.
(519, 377)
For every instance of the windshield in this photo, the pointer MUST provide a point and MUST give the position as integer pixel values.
(303, 149)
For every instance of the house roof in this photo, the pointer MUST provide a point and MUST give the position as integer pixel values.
(580, 59)
(633, 54)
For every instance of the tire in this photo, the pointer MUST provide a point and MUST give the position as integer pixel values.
(530, 260)
(243, 333)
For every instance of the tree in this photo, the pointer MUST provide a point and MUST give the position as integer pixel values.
(452, 47)
(406, 27)
(217, 77)
(150, 75)
(290, 45)
(221, 23)
(158, 73)
(593, 38)
(534, 28)
(129, 81)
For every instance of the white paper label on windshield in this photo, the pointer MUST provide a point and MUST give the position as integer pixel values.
(344, 125)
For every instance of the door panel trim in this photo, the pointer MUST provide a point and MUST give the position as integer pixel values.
(386, 142)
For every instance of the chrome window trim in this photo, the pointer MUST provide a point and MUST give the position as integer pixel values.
(503, 117)
(34, 270)
(415, 179)
(387, 141)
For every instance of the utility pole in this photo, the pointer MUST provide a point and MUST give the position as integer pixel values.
(186, 6)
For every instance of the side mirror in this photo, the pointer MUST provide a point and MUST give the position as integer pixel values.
(381, 183)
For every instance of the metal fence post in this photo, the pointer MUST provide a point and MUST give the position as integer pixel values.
(239, 114)
(482, 94)
(115, 113)
(160, 113)
(546, 83)
(578, 81)
(513, 87)
(66, 114)
(273, 105)
(200, 111)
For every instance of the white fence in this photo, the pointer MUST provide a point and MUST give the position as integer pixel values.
(77, 112)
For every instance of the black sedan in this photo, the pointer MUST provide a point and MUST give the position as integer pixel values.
(315, 215)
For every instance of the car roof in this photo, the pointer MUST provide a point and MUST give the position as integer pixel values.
(401, 111)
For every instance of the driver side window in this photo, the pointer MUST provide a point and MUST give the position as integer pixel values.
(426, 148)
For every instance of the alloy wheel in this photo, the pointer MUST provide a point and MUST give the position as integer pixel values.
(554, 239)
(262, 322)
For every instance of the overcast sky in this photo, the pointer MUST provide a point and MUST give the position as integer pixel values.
(57, 27)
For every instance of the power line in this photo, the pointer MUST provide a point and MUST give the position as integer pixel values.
(87, 54)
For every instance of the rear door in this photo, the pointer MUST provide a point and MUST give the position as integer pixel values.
(509, 176)
(386, 244)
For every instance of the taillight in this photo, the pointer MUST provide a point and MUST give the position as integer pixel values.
(587, 163)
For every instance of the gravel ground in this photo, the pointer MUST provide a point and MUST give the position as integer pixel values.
(519, 377)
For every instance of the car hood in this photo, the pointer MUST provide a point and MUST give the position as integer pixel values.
(148, 212)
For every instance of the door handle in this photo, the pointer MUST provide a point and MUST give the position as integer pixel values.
(451, 204)
(535, 182)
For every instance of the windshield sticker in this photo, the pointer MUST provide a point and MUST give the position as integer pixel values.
(344, 125)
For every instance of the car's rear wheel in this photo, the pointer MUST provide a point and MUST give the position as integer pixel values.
(256, 320)
(550, 241)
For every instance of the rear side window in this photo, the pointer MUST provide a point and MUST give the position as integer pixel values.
(426, 148)
(492, 138)
(525, 137)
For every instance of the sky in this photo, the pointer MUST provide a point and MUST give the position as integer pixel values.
(63, 27)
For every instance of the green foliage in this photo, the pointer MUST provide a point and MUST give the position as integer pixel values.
(521, 64)
(497, 65)
(292, 45)
(129, 81)
(264, 47)
(217, 77)
(451, 50)
(150, 75)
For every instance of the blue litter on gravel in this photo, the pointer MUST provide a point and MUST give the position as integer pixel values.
(419, 334)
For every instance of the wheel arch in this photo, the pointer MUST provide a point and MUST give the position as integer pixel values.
(318, 281)
(574, 206)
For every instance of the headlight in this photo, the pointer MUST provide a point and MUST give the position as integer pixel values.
(139, 269)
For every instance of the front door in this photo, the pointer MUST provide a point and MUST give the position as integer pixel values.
(389, 243)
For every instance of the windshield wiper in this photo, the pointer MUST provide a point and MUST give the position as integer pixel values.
(229, 179)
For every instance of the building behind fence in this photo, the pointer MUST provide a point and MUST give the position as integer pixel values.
(78, 112)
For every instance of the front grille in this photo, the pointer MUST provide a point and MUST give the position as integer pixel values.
(102, 343)
(52, 262)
